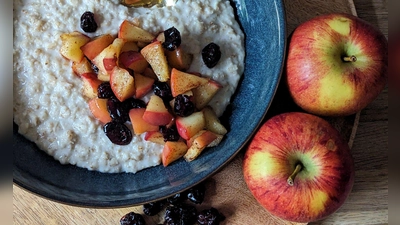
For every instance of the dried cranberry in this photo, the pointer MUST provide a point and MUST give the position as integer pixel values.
(181, 214)
(118, 133)
(153, 208)
(183, 106)
(132, 218)
(169, 133)
(163, 90)
(88, 23)
(196, 194)
(118, 111)
(104, 90)
(211, 54)
(210, 216)
(131, 103)
(172, 39)
(177, 198)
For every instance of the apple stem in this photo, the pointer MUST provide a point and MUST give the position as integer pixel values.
(350, 58)
(298, 168)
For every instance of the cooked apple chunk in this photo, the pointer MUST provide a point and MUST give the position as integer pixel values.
(179, 59)
(71, 45)
(172, 151)
(139, 125)
(199, 142)
(108, 59)
(156, 113)
(82, 67)
(130, 32)
(90, 84)
(182, 82)
(122, 83)
(98, 107)
(154, 54)
(204, 93)
(96, 45)
(212, 122)
(188, 126)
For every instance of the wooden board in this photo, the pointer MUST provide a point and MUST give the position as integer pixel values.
(227, 190)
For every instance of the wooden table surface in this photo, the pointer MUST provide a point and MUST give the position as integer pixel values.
(367, 203)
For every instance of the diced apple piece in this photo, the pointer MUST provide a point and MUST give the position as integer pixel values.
(156, 113)
(130, 32)
(155, 137)
(82, 67)
(182, 81)
(148, 72)
(96, 45)
(98, 107)
(188, 126)
(154, 54)
(133, 60)
(108, 59)
(179, 59)
(90, 84)
(130, 46)
(198, 143)
(139, 125)
(205, 92)
(143, 85)
(212, 123)
(71, 45)
(122, 83)
(160, 37)
(172, 151)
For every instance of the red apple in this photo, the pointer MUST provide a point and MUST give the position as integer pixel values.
(189, 126)
(156, 113)
(336, 64)
(298, 167)
(96, 45)
(133, 60)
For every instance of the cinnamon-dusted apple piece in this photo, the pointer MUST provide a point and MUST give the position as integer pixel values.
(130, 32)
(172, 151)
(71, 45)
(182, 82)
(96, 45)
(155, 56)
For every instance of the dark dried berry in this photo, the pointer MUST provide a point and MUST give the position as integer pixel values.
(172, 39)
(132, 218)
(183, 106)
(118, 111)
(132, 103)
(104, 90)
(177, 198)
(88, 23)
(196, 194)
(210, 217)
(169, 133)
(163, 90)
(153, 208)
(181, 214)
(118, 133)
(211, 54)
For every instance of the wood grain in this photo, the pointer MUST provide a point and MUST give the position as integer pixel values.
(367, 204)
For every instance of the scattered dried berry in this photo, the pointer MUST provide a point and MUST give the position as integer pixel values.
(88, 23)
(180, 214)
(169, 133)
(153, 208)
(118, 133)
(132, 218)
(163, 90)
(210, 217)
(183, 106)
(104, 90)
(118, 111)
(177, 198)
(196, 194)
(172, 39)
(211, 54)
(132, 103)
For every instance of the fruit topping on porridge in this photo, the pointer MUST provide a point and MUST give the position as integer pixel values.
(139, 83)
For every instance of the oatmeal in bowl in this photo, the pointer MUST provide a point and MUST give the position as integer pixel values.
(60, 96)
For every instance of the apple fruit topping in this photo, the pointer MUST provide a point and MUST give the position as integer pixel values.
(122, 83)
(336, 64)
(298, 167)
(182, 82)
(137, 82)
(155, 56)
(96, 45)
(71, 45)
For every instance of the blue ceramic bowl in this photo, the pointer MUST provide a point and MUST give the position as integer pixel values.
(265, 36)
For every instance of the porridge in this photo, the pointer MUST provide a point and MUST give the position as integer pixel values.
(49, 106)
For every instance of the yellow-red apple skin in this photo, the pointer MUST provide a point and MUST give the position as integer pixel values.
(96, 45)
(319, 81)
(270, 158)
